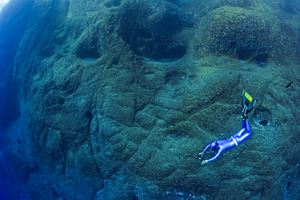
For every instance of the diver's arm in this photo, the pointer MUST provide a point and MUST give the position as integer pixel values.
(200, 154)
(206, 148)
(212, 159)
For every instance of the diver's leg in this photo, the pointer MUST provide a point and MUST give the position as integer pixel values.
(214, 158)
(244, 124)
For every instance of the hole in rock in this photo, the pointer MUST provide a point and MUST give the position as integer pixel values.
(88, 54)
(145, 34)
(88, 115)
(289, 84)
(244, 54)
(56, 100)
(173, 23)
(152, 38)
(261, 57)
(263, 122)
(288, 185)
(89, 50)
(262, 116)
(115, 61)
(133, 197)
(173, 54)
(61, 101)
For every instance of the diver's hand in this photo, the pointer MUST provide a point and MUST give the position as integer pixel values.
(203, 162)
(200, 155)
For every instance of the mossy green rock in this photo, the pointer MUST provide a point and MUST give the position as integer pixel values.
(117, 98)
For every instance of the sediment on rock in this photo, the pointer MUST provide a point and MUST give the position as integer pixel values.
(116, 99)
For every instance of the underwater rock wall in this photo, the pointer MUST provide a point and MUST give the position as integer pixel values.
(13, 23)
(117, 98)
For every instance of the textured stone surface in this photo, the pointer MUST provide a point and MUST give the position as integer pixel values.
(117, 98)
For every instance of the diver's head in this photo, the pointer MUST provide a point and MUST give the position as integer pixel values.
(214, 145)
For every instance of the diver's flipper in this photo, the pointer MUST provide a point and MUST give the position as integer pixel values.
(248, 104)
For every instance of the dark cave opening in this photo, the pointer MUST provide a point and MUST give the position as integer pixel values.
(88, 115)
(153, 38)
(263, 116)
(89, 50)
(145, 34)
(132, 197)
(51, 101)
(61, 101)
(176, 52)
(88, 54)
(262, 57)
(264, 122)
(244, 54)
(172, 54)
(288, 185)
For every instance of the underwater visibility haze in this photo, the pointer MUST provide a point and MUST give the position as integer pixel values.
(131, 99)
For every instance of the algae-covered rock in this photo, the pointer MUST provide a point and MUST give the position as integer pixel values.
(116, 98)
(152, 29)
(240, 31)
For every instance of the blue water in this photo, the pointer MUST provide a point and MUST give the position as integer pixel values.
(161, 69)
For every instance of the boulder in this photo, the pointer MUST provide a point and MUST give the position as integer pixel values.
(116, 98)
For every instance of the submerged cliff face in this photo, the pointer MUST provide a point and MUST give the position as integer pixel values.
(117, 98)
(13, 22)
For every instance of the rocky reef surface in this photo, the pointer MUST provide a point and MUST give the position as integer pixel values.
(114, 99)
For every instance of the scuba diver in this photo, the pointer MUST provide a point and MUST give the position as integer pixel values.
(239, 137)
